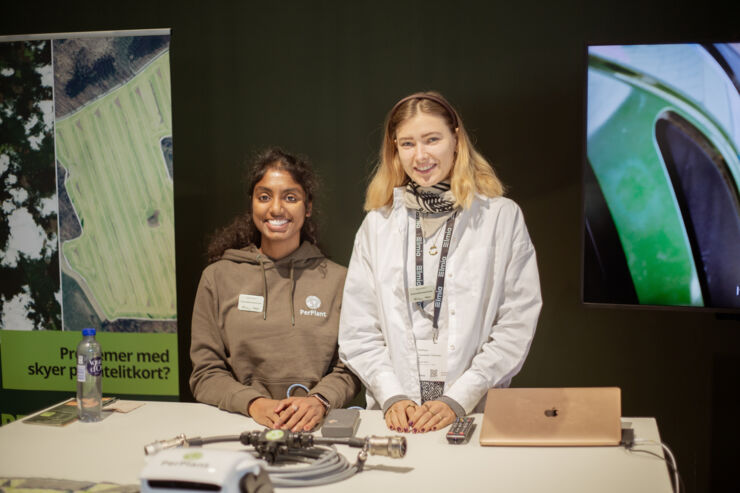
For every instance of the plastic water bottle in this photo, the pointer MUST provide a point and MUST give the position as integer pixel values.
(89, 377)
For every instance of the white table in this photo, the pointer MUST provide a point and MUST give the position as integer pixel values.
(113, 451)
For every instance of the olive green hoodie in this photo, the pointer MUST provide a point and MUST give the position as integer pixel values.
(260, 326)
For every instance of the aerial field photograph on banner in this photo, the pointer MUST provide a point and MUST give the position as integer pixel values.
(87, 224)
(114, 169)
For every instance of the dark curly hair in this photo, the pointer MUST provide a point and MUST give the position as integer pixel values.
(242, 231)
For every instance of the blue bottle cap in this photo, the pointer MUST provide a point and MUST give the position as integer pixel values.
(88, 332)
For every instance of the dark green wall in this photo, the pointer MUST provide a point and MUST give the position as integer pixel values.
(318, 77)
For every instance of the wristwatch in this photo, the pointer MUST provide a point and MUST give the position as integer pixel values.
(323, 401)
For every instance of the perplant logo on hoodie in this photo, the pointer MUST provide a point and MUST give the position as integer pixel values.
(313, 303)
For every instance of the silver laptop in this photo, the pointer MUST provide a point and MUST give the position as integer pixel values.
(575, 416)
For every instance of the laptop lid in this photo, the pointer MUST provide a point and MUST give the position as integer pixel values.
(573, 416)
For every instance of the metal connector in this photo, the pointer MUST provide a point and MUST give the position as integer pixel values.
(394, 447)
(154, 447)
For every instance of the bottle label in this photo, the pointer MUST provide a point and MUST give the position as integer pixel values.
(95, 366)
(81, 373)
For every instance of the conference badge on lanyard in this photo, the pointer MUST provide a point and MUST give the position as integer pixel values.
(421, 293)
(432, 360)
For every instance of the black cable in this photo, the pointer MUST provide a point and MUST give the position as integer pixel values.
(351, 441)
(200, 441)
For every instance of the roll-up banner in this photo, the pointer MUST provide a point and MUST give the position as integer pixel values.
(87, 234)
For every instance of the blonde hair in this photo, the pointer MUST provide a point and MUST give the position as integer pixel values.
(471, 173)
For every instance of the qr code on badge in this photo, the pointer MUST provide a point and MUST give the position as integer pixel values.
(433, 373)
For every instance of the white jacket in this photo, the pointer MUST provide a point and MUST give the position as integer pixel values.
(492, 290)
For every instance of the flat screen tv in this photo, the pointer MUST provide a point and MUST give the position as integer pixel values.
(662, 175)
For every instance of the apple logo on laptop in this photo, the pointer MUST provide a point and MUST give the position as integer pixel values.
(551, 413)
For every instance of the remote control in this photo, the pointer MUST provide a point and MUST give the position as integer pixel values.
(460, 430)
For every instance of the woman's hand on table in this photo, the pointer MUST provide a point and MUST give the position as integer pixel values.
(398, 415)
(262, 410)
(299, 413)
(431, 416)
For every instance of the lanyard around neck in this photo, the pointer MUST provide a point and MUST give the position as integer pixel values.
(419, 254)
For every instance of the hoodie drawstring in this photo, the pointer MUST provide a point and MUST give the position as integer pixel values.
(264, 288)
(292, 290)
(292, 294)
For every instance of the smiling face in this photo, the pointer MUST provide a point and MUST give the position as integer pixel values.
(279, 209)
(426, 148)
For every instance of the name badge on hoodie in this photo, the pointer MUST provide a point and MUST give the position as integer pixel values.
(251, 303)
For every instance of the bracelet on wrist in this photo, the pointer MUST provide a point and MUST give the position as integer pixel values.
(323, 401)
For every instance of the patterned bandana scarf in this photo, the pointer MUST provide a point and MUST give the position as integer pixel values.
(436, 204)
(431, 200)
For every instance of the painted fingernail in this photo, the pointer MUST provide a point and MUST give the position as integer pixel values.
(406, 430)
(411, 423)
(434, 428)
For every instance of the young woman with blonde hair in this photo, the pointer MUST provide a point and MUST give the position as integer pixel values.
(442, 294)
